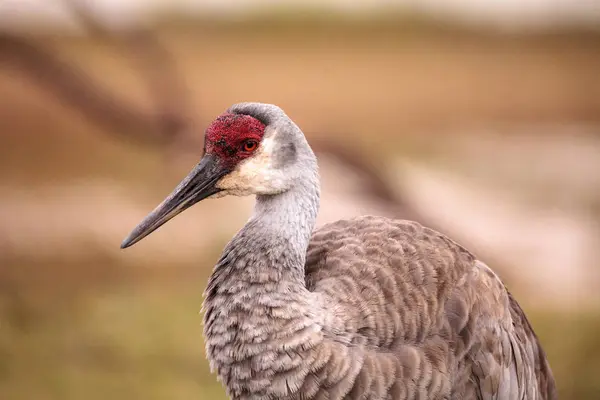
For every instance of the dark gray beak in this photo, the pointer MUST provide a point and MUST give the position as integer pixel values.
(198, 185)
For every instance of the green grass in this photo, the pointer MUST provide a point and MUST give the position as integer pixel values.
(135, 340)
(572, 346)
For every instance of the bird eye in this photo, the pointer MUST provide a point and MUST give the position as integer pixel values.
(250, 145)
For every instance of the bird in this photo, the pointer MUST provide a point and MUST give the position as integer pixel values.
(367, 307)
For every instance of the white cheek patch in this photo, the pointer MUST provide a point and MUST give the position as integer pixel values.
(254, 175)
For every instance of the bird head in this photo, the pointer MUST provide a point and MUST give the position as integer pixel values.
(252, 148)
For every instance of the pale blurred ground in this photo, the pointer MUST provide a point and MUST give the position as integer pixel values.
(494, 139)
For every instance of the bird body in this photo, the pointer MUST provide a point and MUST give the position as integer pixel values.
(364, 308)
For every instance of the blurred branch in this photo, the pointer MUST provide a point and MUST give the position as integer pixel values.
(75, 89)
(169, 92)
(169, 123)
(378, 187)
(152, 60)
(82, 13)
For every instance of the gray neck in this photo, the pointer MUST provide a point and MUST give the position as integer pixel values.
(283, 223)
(290, 215)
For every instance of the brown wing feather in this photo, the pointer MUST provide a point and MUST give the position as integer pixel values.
(423, 316)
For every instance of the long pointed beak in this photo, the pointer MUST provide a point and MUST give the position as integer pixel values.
(198, 185)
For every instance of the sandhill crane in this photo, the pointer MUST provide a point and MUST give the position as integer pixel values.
(364, 308)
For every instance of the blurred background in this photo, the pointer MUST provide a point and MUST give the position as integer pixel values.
(479, 119)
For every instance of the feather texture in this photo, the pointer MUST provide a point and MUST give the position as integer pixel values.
(386, 309)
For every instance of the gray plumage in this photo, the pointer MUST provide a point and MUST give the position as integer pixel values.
(365, 308)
